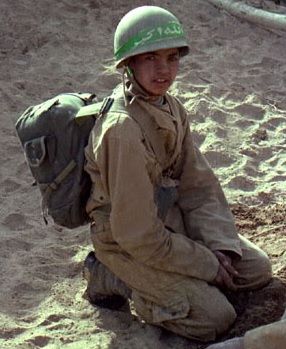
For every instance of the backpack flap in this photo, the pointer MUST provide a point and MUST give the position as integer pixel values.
(44, 107)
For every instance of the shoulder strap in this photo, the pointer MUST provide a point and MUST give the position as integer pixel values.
(146, 123)
(149, 129)
(100, 108)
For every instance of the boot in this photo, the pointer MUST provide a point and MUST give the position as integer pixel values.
(104, 289)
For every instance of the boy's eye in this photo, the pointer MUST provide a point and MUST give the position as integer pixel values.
(150, 57)
(174, 58)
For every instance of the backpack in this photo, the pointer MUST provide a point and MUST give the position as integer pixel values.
(53, 143)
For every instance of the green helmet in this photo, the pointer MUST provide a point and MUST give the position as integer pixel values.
(146, 29)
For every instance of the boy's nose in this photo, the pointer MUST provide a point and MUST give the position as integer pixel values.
(162, 66)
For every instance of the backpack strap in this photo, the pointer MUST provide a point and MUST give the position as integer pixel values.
(147, 125)
(50, 187)
(99, 109)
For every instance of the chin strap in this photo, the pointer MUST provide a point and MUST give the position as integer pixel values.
(127, 75)
(124, 73)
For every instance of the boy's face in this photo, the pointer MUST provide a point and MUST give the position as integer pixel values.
(156, 71)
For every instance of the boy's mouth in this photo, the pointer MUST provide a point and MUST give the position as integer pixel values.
(161, 81)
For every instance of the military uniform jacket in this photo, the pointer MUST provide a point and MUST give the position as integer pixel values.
(126, 170)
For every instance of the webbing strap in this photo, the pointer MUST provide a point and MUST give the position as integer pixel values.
(49, 188)
(145, 122)
(62, 175)
(149, 129)
(135, 111)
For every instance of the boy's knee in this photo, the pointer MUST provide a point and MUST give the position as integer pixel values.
(205, 327)
(206, 318)
(212, 314)
(254, 268)
(261, 273)
(208, 323)
(265, 270)
(222, 318)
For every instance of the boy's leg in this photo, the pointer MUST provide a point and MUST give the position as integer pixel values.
(185, 306)
(208, 314)
(254, 267)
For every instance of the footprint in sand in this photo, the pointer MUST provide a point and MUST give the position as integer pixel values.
(9, 186)
(15, 244)
(53, 318)
(250, 111)
(39, 341)
(11, 333)
(242, 182)
(274, 122)
(16, 221)
(218, 159)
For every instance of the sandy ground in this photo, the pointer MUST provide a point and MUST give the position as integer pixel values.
(234, 85)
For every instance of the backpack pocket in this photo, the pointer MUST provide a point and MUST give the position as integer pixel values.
(40, 149)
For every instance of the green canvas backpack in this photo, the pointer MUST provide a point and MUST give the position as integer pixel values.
(53, 143)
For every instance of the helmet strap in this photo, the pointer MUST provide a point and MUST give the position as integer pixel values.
(129, 72)
(124, 74)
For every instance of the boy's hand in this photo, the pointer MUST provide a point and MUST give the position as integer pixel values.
(226, 262)
(226, 272)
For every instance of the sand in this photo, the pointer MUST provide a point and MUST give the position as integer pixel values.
(234, 85)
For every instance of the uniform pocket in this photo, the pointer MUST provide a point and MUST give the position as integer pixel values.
(156, 314)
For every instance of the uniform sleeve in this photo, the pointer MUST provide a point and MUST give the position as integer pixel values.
(206, 212)
(122, 160)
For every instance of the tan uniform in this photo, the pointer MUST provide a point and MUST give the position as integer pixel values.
(167, 264)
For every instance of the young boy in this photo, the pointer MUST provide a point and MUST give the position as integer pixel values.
(162, 230)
